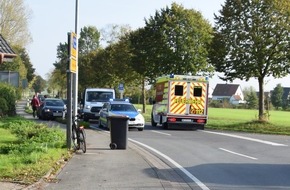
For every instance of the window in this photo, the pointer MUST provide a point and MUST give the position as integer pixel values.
(178, 90)
(197, 91)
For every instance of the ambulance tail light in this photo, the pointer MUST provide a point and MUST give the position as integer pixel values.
(171, 119)
(200, 121)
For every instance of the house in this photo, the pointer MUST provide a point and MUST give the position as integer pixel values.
(6, 52)
(231, 92)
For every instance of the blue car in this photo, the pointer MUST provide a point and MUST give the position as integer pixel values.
(122, 107)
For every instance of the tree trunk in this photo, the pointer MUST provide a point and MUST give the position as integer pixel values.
(144, 95)
(261, 99)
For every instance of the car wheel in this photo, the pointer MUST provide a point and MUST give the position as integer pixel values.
(140, 129)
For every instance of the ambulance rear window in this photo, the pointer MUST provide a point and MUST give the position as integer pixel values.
(197, 91)
(178, 90)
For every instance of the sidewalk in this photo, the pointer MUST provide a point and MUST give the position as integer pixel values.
(103, 168)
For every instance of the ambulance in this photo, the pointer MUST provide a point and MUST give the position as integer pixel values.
(181, 102)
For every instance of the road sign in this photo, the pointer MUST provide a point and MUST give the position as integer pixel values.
(73, 65)
(73, 45)
(73, 52)
(121, 87)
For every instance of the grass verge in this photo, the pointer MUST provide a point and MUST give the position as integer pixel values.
(29, 150)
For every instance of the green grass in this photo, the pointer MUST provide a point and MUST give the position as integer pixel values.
(241, 120)
(29, 150)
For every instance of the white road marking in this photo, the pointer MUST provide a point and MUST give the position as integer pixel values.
(247, 138)
(161, 133)
(192, 177)
(243, 155)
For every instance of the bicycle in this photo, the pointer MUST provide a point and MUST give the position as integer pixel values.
(78, 135)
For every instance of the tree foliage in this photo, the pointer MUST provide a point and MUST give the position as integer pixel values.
(14, 17)
(39, 84)
(252, 40)
(251, 97)
(177, 41)
(22, 53)
(89, 40)
(276, 96)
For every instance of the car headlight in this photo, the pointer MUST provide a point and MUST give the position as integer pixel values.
(87, 106)
(139, 118)
(47, 110)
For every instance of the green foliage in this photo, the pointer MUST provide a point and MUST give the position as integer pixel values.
(276, 96)
(252, 40)
(8, 93)
(3, 107)
(39, 84)
(89, 40)
(30, 74)
(174, 40)
(29, 150)
(251, 98)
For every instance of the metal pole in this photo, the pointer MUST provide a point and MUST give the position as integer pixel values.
(75, 81)
(69, 100)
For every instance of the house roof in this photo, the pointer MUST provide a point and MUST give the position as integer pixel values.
(5, 48)
(225, 89)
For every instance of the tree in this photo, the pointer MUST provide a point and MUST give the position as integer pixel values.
(174, 40)
(39, 84)
(89, 44)
(14, 17)
(89, 40)
(276, 97)
(252, 40)
(179, 41)
(22, 53)
(62, 55)
(251, 97)
(112, 33)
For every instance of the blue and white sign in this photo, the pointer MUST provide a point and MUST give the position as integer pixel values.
(121, 87)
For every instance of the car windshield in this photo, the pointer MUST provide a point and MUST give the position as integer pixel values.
(96, 96)
(122, 107)
(54, 103)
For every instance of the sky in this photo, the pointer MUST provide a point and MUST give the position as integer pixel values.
(51, 21)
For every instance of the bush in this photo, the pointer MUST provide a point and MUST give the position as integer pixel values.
(3, 107)
(8, 93)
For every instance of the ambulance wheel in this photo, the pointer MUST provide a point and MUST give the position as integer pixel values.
(153, 123)
(113, 146)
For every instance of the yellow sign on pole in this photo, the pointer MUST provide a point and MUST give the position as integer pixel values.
(73, 52)
(73, 65)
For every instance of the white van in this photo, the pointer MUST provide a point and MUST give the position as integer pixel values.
(93, 100)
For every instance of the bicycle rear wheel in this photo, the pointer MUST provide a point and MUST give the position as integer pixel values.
(74, 138)
(83, 144)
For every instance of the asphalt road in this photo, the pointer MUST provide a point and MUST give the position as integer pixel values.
(214, 160)
(221, 160)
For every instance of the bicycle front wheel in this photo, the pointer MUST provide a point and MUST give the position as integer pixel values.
(83, 144)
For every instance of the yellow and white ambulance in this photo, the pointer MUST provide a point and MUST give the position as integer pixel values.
(181, 102)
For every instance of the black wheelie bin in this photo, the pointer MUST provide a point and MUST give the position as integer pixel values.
(118, 125)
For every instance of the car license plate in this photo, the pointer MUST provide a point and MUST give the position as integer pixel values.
(57, 114)
(186, 120)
